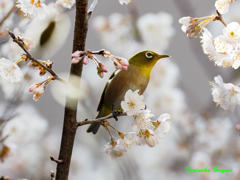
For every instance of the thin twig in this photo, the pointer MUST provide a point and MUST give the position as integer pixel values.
(91, 9)
(99, 52)
(114, 128)
(99, 119)
(220, 18)
(56, 161)
(8, 14)
(35, 60)
(3, 139)
(112, 139)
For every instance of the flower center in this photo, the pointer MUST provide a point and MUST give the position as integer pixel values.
(131, 104)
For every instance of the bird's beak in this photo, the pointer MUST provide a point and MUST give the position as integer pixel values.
(163, 56)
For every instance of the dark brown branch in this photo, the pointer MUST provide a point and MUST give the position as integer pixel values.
(56, 161)
(8, 14)
(35, 60)
(69, 124)
(99, 119)
(92, 7)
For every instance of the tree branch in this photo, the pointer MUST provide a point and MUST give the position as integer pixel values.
(56, 161)
(8, 14)
(35, 60)
(69, 124)
(81, 123)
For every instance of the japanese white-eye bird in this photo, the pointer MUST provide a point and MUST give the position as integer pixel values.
(136, 77)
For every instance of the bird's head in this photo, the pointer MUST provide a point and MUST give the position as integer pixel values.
(146, 59)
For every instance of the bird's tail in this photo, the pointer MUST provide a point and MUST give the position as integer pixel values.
(94, 126)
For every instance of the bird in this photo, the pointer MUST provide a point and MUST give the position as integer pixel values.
(136, 77)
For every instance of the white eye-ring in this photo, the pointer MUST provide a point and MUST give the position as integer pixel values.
(149, 55)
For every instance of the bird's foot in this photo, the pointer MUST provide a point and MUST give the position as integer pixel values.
(114, 113)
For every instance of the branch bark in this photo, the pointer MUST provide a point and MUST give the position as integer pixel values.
(81, 123)
(69, 124)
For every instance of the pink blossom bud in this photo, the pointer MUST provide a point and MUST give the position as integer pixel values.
(106, 54)
(237, 127)
(125, 68)
(30, 64)
(75, 60)
(34, 86)
(38, 92)
(24, 57)
(123, 61)
(101, 74)
(85, 60)
(103, 67)
(117, 65)
(76, 54)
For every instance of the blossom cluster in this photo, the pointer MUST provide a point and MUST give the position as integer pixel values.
(193, 26)
(224, 49)
(33, 8)
(120, 63)
(12, 73)
(147, 131)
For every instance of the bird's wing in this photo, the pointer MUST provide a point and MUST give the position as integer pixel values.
(104, 90)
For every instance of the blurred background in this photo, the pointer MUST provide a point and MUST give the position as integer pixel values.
(201, 135)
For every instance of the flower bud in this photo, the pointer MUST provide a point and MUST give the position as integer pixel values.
(150, 141)
(85, 60)
(75, 60)
(76, 54)
(49, 64)
(237, 127)
(34, 86)
(38, 92)
(123, 61)
(101, 74)
(103, 67)
(24, 57)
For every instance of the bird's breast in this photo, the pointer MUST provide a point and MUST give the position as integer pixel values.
(132, 79)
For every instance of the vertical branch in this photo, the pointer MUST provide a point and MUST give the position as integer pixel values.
(69, 124)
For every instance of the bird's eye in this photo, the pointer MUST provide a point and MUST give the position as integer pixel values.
(149, 55)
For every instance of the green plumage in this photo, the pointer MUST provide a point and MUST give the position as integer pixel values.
(136, 77)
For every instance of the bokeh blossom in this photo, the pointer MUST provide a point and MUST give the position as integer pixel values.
(226, 95)
(10, 71)
(33, 8)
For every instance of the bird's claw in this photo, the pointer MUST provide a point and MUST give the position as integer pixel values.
(114, 113)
